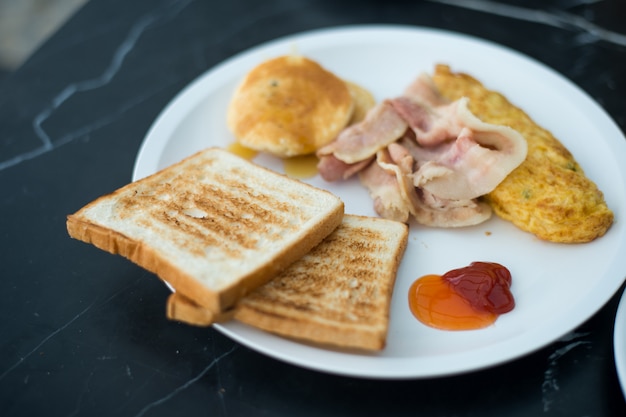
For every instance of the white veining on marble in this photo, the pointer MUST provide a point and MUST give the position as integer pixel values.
(45, 339)
(120, 54)
(186, 384)
(550, 385)
(559, 19)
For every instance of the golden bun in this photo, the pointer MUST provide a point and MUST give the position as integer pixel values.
(289, 106)
(363, 102)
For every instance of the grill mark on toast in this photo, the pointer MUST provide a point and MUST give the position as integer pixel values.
(347, 277)
(213, 225)
(233, 216)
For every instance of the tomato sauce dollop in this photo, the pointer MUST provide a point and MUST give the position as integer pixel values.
(467, 298)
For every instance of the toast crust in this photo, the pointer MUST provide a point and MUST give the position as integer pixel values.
(339, 294)
(141, 254)
(182, 309)
(194, 235)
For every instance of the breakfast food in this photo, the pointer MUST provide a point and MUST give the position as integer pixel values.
(182, 309)
(338, 294)
(363, 102)
(425, 157)
(214, 226)
(467, 298)
(289, 106)
(548, 194)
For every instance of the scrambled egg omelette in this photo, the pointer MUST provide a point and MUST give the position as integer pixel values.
(548, 194)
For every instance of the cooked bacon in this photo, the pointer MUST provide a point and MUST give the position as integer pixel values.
(398, 162)
(451, 213)
(395, 197)
(480, 157)
(424, 90)
(433, 158)
(384, 189)
(432, 125)
(332, 169)
(382, 125)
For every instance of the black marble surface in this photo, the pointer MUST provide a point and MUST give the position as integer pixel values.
(83, 332)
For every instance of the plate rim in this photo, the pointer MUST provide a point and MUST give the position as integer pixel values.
(619, 342)
(140, 170)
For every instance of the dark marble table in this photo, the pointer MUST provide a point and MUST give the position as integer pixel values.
(84, 333)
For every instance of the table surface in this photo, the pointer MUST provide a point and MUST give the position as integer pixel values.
(83, 332)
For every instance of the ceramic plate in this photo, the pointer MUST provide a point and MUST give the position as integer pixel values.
(619, 342)
(556, 287)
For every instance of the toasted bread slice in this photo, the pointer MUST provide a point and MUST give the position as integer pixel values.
(181, 308)
(214, 226)
(289, 106)
(548, 194)
(338, 294)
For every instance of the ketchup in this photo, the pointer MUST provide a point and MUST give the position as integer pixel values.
(485, 285)
(463, 299)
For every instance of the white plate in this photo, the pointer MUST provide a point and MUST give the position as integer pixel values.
(619, 342)
(557, 287)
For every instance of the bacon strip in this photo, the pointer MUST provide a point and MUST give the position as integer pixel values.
(382, 125)
(432, 159)
(480, 157)
(395, 164)
(333, 169)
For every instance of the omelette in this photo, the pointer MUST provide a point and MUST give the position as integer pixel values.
(548, 194)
